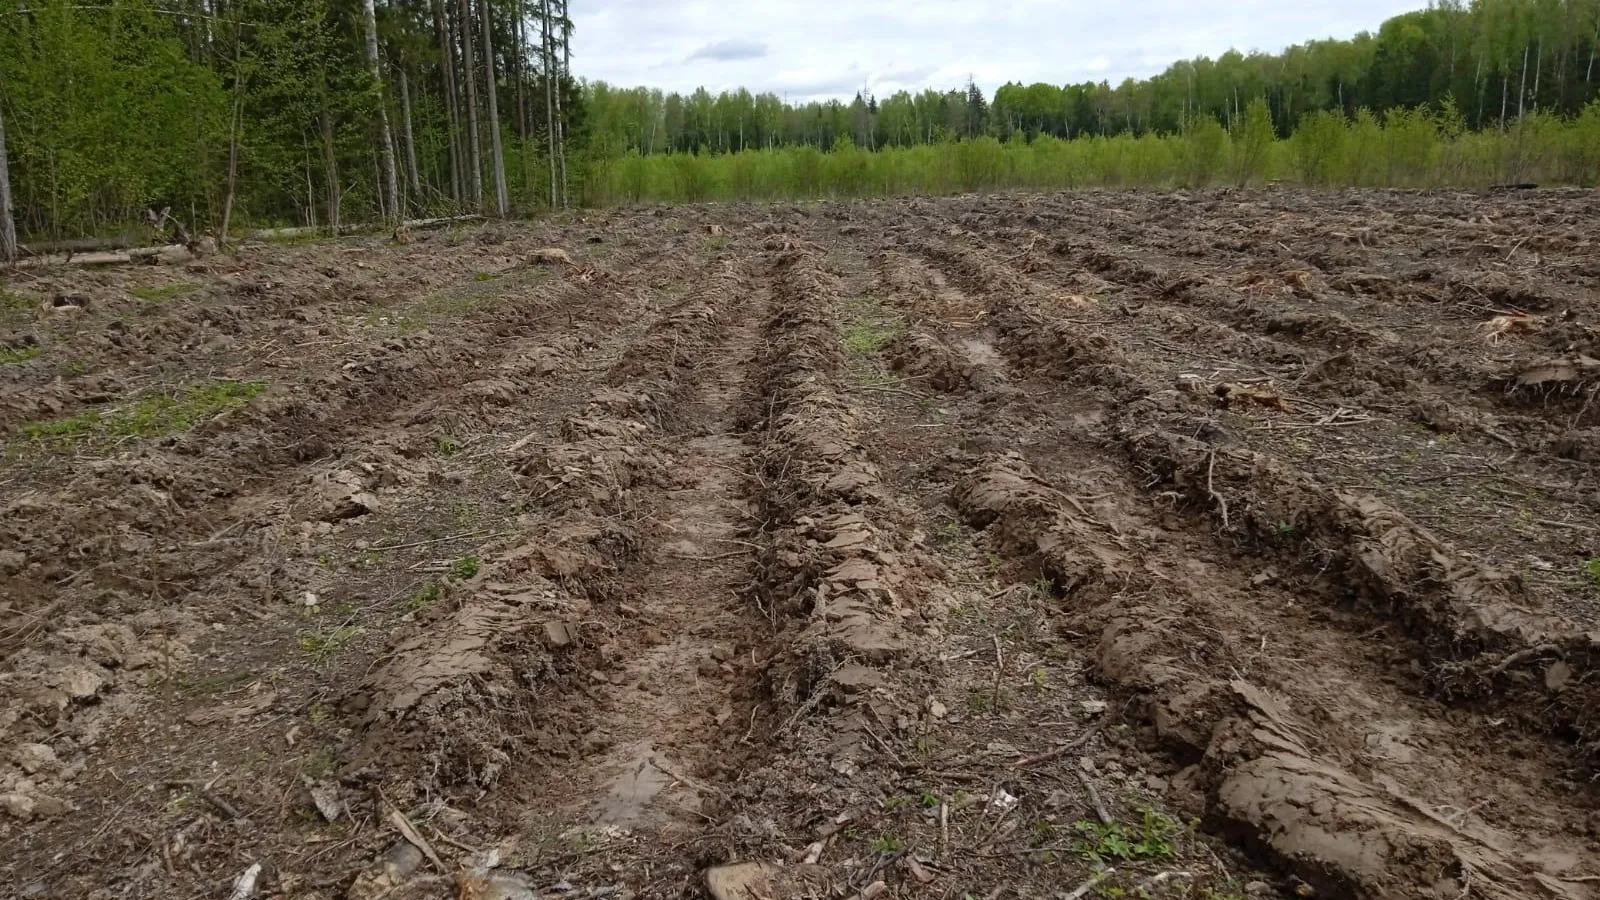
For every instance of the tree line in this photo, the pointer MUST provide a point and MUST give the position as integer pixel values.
(318, 112)
(323, 112)
(1404, 147)
(1494, 60)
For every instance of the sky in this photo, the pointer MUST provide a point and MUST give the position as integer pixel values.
(819, 49)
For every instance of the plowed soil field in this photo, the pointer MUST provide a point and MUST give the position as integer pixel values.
(1096, 545)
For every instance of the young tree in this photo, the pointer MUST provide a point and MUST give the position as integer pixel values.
(1252, 141)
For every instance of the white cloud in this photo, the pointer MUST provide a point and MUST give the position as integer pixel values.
(730, 51)
(814, 48)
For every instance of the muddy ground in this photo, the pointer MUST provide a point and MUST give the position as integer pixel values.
(1097, 545)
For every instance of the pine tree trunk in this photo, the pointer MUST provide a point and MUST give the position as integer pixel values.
(517, 72)
(549, 96)
(561, 119)
(8, 227)
(391, 185)
(452, 99)
(474, 149)
(330, 168)
(501, 200)
(411, 143)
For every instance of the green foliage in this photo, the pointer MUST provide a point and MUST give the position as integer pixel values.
(1252, 142)
(464, 568)
(13, 355)
(1591, 570)
(885, 843)
(150, 416)
(323, 643)
(158, 293)
(1205, 146)
(424, 596)
(1317, 147)
(1150, 839)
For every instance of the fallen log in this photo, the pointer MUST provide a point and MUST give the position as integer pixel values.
(75, 253)
(169, 254)
(280, 234)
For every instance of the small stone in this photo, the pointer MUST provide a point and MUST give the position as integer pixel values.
(11, 562)
(1093, 707)
(32, 758)
(1258, 888)
(937, 710)
(17, 805)
(557, 636)
(1266, 577)
(599, 676)
(721, 653)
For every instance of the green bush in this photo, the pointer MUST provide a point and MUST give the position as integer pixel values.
(1205, 146)
(1317, 147)
(1252, 142)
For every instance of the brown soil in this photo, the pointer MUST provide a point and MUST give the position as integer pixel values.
(1212, 546)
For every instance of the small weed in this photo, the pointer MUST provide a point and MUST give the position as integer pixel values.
(1150, 839)
(1286, 529)
(464, 568)
(317, 713)
(428, 594)
(482, 276)
(158, 293)
(12, 355)
(948, 533)
(322, 644)
(885, 843)
(1592, 570)
(1039, 677)
(323, 761)
(716, 242)
(179, 802)
(446, 446)
(928, 800)
(867, 328)
(978, 701)
(867, 338)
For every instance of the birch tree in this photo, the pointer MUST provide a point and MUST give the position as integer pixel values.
(391, 190)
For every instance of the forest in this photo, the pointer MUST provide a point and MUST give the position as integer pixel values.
(234, 113)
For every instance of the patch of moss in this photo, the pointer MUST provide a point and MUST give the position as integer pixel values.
(157, 293)
(150, 416)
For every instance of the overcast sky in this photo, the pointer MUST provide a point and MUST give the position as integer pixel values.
(832, 48)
